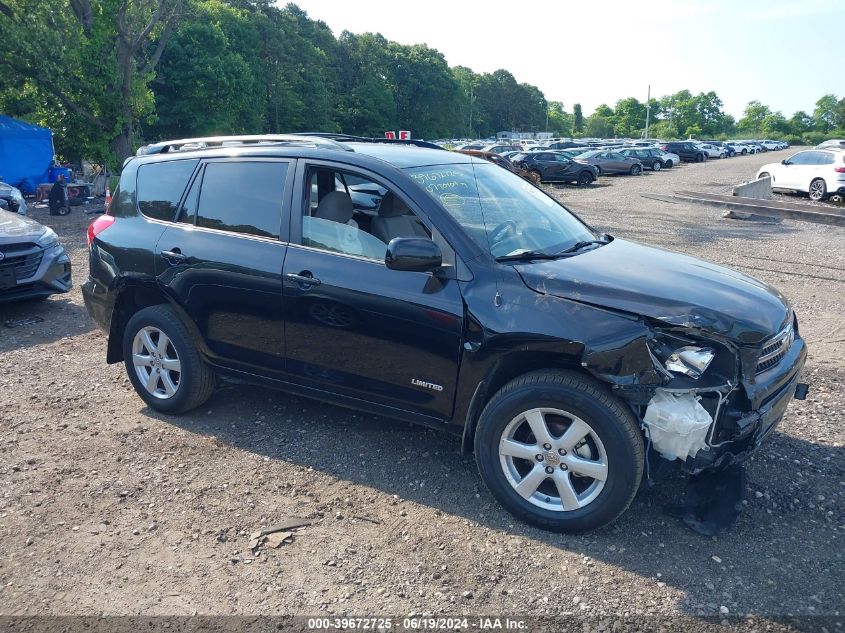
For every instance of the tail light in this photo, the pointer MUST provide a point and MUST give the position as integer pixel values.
(98, 226)
(839, 170)
(665, 148)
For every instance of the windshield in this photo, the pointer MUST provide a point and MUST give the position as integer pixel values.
(591, 153)
(503, 213)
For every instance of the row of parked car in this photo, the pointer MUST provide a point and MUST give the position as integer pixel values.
(582, 163)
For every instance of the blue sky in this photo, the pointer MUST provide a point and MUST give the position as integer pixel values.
(786, 54)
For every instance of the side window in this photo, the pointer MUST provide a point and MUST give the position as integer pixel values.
(160, 187)
(822, 158)
(799, 159)
(359, 219)
(242, 197)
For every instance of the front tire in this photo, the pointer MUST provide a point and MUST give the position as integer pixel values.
(163, 363)
(557, 450)
(669, 164)
(636, 170)
(817, 190)
(699, 158)
(536, 176)
(656, 166)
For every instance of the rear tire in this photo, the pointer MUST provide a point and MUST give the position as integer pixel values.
(536, 176)
(818, 189)
(173, 365)
(744, 152)
(604, 441)
(699, 158)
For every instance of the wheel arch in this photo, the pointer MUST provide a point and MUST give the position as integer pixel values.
(506, 369)
(134, 296)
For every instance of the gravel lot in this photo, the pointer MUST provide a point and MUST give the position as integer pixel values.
(110, 508)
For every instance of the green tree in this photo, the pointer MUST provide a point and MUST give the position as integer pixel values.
(629, 118)
(126, 38)
(560, 123)
(578, 119)
(826, 114)
(211, 65)
(752, 118)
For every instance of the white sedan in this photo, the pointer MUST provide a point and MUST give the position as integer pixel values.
(815, 172)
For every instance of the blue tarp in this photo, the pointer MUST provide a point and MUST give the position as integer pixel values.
(26, 153)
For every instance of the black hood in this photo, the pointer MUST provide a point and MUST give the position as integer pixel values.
(17, 228)
(673, 288)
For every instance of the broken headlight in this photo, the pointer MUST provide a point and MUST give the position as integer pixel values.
(690, 360)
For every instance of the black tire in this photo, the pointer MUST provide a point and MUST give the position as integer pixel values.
(196, 381)
(585, 178)
(817, 189)
(764, 174)
(536, 176)
(591, 401)
(63, 210)
(636, 170)
(670, 164)
(744, 152)
(598, 170)
(699, 158)
(656, 166)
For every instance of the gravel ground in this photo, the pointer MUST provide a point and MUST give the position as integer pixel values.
(110, 508)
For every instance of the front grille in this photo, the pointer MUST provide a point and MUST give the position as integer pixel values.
(24, 266)
(775, 349)
(9, 249)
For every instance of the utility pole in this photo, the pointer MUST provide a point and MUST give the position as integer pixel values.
(547, 117)
(647, 110)
(470, 109)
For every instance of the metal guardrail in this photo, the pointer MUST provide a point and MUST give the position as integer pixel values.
(771, 208)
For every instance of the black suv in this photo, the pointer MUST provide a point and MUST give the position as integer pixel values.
(434, 287)
(556, 167)
(687, 151)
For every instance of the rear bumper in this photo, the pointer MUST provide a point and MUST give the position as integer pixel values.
(98, 303)
(52, 276)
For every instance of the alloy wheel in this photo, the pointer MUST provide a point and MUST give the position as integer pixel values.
(156, 362)
(817, 189)
(553, 459)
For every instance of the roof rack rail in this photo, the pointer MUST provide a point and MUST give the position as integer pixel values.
(349, 138)
(210, 142)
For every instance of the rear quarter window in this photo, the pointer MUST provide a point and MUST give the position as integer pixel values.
(160, 187)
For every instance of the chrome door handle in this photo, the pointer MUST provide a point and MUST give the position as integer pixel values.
(304, 279)
(174, 257)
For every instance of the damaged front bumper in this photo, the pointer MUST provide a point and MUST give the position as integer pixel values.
(738, 431)
(744, 409)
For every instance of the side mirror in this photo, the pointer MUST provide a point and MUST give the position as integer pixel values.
(415, 254)
(784, 162)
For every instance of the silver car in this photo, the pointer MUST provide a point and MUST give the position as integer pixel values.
(33, 264)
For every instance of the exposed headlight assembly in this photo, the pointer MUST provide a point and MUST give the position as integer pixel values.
(690, 360)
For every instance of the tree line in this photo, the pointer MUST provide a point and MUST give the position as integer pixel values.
(109, 75)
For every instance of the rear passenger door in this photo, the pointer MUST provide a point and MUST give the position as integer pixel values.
(222, 258)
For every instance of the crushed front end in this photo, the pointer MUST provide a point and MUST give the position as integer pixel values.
(744, 390)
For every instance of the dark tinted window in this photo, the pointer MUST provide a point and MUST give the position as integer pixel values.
(160, 187)
(188, 212)
(242, 197)
(801, 158)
